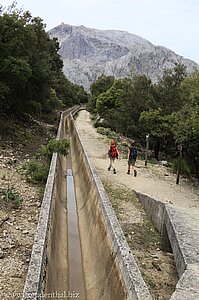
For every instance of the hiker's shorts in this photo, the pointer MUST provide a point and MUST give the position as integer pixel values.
(131, 162)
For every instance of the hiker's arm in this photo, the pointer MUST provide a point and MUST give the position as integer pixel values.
(117, 154)
(128, 154)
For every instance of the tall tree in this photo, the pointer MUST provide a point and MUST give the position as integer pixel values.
(31, 77)
(168, 92)
(186, 121)
(101, 85)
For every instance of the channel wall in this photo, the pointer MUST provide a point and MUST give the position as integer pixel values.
(179, 230)
(109, 267)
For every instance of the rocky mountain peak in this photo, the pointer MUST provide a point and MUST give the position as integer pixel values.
(88, 53)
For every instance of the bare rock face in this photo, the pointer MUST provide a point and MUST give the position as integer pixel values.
(88, 53)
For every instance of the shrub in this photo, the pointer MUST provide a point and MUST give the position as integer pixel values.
(183, 165)
(9, 195)
(37, 171)
(104, 131)
(38, 168)
(53, 146)
(152, 161)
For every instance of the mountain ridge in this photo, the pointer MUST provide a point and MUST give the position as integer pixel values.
(88, 53)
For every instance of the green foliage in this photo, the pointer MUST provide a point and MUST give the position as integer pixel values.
(54, 146)
(154, 122)
(121, 104)
(152, 161)
(168, 110)
(38, 168)
(10, 196)
(123, 149)
(112, 135)
(104, 131)
(111, 99)
(168, 91)
(189, 87)
(37, 171)
(183, 126)
(183, 166)
(31, 78)
(101, 85)
(69, 93)
(195, 120)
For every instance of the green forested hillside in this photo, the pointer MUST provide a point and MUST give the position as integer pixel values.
(168, 111)
(31, 78)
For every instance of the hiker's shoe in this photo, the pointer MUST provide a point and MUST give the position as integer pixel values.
(128, 172)
(114, 171)
(109, 168)
(135, 173)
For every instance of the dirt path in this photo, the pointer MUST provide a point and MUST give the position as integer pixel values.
(154, 180)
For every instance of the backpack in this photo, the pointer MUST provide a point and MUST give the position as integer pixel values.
(113, 151)
(133, 153)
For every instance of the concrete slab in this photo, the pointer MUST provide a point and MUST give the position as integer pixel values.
(181, 228)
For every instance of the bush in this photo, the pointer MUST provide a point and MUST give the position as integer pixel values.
(9, 195)
(37, 171)
(53, 146)
(184, 168)
(152, 161)
(104, 131)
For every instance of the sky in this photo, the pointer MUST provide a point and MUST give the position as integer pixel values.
(173, 23)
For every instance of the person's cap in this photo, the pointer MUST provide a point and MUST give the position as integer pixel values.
(112, 143)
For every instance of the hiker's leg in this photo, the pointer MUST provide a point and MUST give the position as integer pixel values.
(129, 167)
(133, 168)
(113, 165)
(110, 164)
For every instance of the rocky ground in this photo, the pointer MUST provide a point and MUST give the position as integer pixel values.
(19, 216)
(18, 221)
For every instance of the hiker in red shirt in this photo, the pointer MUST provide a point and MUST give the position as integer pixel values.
(113, 154)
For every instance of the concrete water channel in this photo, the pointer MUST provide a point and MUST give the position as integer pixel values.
(80, 251)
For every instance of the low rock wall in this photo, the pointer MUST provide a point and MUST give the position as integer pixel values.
(179, 232)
